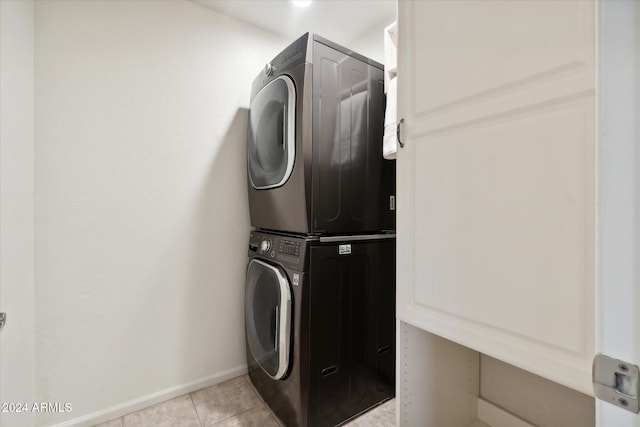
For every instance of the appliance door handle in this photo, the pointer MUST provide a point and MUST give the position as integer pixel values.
(284, 126)
(275, 340)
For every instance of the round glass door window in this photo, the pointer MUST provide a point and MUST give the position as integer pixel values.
(268, 317)
(271, 134)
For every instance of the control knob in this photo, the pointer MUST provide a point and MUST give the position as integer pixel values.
(265, 246)
(269, 69)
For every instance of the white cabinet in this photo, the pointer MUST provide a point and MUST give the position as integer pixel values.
(499, 168)
(497, 190)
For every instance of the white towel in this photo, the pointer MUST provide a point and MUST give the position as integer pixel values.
(390, 139)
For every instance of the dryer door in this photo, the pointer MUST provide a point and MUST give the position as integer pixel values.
(268, 317)
(271, 134)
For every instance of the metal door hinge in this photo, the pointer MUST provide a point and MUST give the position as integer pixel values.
(616, 382)
(3, 320)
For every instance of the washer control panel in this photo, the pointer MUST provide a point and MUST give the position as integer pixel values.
(289, 247)
(286, 249)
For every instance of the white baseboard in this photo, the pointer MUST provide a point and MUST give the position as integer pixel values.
(498, 417)
(151, 399)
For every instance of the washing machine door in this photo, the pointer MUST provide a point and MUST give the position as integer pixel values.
(268, 317)
(271, 134)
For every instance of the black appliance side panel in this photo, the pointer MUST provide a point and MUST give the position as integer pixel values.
(352, 330)
(352, 183)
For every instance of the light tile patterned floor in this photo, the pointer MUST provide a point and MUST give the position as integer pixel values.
(233, 403)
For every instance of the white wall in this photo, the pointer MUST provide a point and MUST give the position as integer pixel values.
(141, 215)
(371, 43)
(17, 382)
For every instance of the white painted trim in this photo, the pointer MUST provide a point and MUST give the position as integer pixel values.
(497, 417)
(151, 399)
(618, 181)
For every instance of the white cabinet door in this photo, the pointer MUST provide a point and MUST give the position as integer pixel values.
(497, 182)
(497, 179)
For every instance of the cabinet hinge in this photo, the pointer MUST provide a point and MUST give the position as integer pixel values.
(616, 382)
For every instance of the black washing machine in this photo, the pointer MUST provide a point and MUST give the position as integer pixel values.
(320, 325)
(314, 147)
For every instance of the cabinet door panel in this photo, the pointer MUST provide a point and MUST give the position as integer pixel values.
(488, 48)
(496, 190)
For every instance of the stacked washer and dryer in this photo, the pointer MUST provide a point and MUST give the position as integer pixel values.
(320, 284)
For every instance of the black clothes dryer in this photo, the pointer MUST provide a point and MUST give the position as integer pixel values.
(314, 143)
(320, 325)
